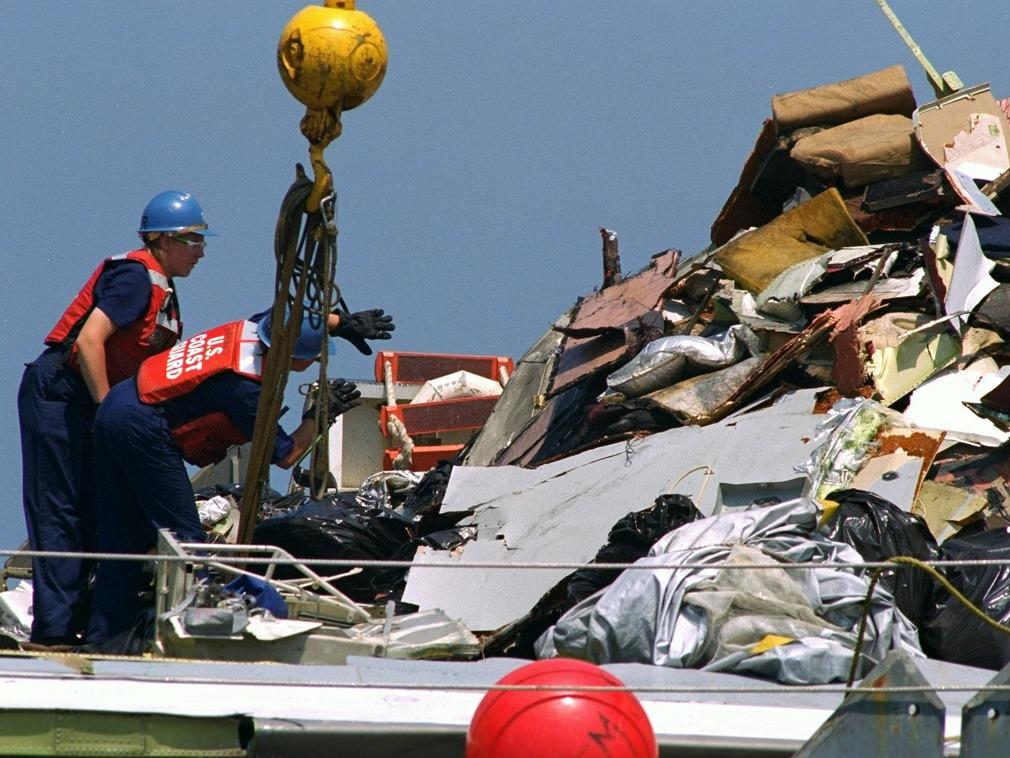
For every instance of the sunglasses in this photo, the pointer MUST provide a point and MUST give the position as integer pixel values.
(190, 243)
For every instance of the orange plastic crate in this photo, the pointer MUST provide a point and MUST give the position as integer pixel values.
(417, 368)
(457, 414)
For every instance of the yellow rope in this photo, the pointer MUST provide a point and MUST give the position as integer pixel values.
(904, 560)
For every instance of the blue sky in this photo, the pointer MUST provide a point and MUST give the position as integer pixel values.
(471, 186)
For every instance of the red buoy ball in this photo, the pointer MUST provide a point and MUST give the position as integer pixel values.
(561, 723)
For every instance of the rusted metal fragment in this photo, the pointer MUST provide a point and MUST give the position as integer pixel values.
(775, 363)
(827, 399)
(916, 442)
(696, 400)
(849, 369)
(611, 258)
(590, 351)
(609, 324)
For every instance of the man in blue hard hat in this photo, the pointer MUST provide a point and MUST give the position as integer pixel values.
(189, 404)
(126, 311)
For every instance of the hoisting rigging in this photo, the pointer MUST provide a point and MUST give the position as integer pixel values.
(332, 58)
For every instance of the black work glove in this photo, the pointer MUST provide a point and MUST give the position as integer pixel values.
(344, 395)
(359, 326)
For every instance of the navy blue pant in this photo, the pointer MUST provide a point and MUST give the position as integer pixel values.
(55, 411)
(142, 486)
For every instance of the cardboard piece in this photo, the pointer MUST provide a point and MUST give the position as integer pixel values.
(607, 324)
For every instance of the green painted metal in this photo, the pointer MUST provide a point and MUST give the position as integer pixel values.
(79, 733)
(945, 84)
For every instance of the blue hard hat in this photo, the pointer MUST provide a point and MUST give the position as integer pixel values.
(310, 338)
(174, 211)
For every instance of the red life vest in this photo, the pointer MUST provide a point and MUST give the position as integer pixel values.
(158, 329)
(230, 347)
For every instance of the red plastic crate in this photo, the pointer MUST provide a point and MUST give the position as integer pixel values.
(457, 414)
(417, 368)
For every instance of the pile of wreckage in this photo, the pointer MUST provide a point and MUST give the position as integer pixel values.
(826, 386)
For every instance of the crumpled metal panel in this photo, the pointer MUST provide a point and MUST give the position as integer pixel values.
(521, 401)
(604, 329)
(563, 511)
(695, 400)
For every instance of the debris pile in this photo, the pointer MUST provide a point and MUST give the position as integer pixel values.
(836, 359)
(827, 383)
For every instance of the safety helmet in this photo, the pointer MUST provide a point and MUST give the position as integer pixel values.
(174, 211)
(310, 337)
(560, 722)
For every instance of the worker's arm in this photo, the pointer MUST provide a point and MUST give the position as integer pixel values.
(302, 437)
(341, 397)
(91, 352)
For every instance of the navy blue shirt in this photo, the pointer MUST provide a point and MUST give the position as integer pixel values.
(123, 292)
(236, 397)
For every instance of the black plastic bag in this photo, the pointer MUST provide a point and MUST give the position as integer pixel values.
(424, 500)
(879, 530)
(630, 539)
(953, 633)
(339, 528)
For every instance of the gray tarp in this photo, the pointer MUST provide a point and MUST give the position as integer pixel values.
(719, 619)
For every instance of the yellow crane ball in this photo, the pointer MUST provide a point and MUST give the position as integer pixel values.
(332, 56)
